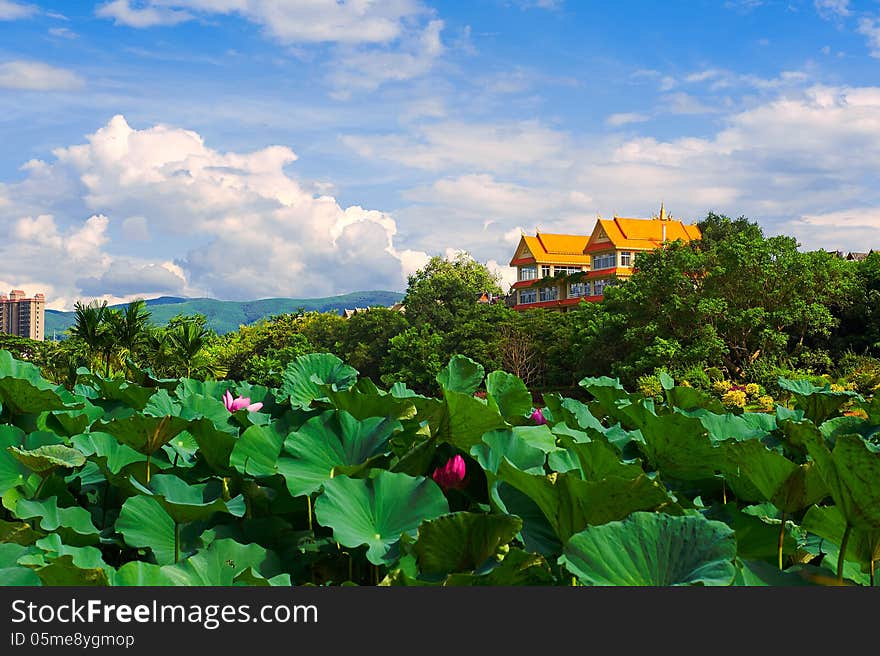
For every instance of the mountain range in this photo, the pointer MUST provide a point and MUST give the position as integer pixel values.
(227, 316)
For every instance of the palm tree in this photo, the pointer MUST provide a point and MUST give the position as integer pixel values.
(89, 326)
(129, 327)
(186, 341)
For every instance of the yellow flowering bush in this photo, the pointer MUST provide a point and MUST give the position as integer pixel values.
(734, 398)
(685, 383)
(752, 389)
(836, 388)
(766, 402)
(721, 386)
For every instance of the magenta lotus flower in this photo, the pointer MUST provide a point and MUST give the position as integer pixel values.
(240, 402)
(451, 475)
(537, 416)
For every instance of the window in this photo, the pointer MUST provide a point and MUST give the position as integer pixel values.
(528, 273)
(545, 270)
(599, 286)
(568, 269)
(576, 289)
(626, 258)
(528, 296)
(605, 261)
(549, 293)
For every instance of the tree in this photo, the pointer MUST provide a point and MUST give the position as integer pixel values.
(126, 331)
(185, 340)
(365, 337)
(89, 326)
(414, 357)
(437, 293)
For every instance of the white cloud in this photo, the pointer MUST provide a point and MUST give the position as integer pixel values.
(870, 27)
(63, 32)
(123, 13)
(354, 21)
(625, 118)
(228, 225)
(365, 69)
(493, 146)
(37, 76)
(832, 8)
(10, 10)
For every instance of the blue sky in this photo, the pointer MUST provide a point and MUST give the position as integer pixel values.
(245, 149)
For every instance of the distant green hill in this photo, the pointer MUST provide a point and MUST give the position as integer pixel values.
(227, 316)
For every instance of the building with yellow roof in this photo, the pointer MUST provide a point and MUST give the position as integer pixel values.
(558, 271)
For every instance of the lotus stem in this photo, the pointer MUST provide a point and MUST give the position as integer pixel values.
(781, 539)
(724, 491)
(872, 572)
(176, 542)
(40, 486)
(309, 506)
(149, 458)
(842, 555)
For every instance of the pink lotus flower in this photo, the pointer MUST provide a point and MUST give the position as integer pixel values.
(451, 475)
(240, 402)
(537, 416)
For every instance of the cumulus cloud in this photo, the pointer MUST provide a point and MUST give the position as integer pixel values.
(829, 9)
(625, 118)
(38, 76)
(870, 27)
(223, 224)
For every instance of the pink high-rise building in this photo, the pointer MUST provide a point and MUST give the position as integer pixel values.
(22, 316)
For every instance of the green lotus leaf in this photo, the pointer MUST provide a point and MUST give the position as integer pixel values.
(377, 511)
(653, 549)
(755, 573)
(48, 458)
(52, 547)
(364, 400)
(331, 440)
(851, 472)
(757, 537)
(462, 420)
(118, 390)
(461, 374)
(613, 400)
(12, 471)
(304, 377)
(518, 568)
(256, 451)
(73, 422)
(195, 406)
(112, 456)
(214, 445)
(144, 433)
(74, 523)
(13, 574)
(689, 398)
(818, 403)
(863, 545)
(137, 573)
(188, 503)
(508, 394)
(592, 460)
(63, 572)
(572, 413)
(19, 576)
(833, 428)
(23, 388)
(462, 541)
(18, 533)
(788, 486)
(728, 426)
(499, 444)
(679, 447)
(570, 504)
(224, 563)
(143, 522)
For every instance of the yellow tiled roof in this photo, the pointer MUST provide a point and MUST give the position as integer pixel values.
(646, 233)
(549, 248)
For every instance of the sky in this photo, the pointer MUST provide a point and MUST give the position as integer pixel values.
(245, 149)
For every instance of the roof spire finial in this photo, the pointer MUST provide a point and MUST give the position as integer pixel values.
(662, 211)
